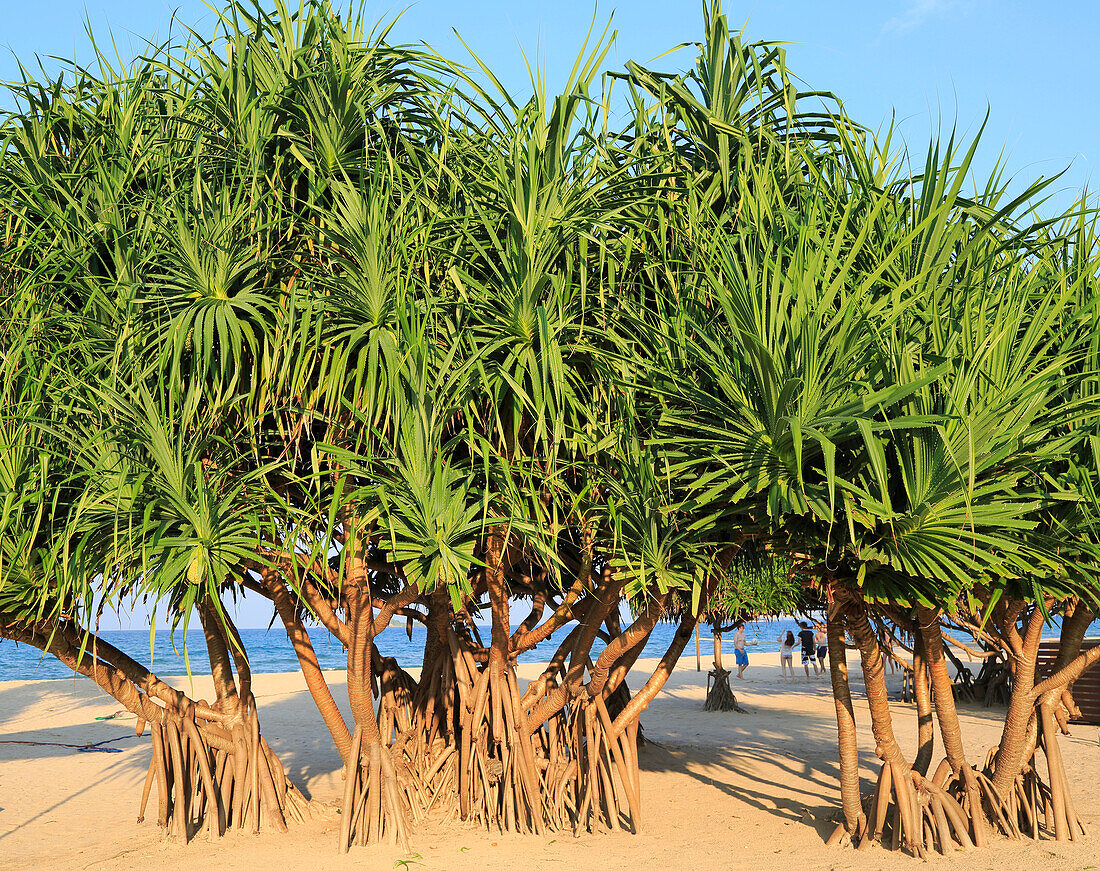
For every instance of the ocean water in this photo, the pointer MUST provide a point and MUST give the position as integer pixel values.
(269, 650)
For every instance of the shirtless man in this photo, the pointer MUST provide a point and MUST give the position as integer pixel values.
(740, 655)
(821, 639)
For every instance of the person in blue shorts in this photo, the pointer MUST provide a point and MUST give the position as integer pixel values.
(739, 653)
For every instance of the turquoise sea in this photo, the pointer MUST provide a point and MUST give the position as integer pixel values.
(270, 651)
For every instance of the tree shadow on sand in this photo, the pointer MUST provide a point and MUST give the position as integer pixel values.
(751, 758)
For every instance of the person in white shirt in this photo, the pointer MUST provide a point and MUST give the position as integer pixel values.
(786, 654)
(821, 638)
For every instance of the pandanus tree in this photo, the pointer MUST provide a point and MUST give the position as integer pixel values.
(1011, 619)
(877, 373)
(752, 586)
(950, 522)
(292, 313)
(452, 296)
(149, 260)
(939, 520)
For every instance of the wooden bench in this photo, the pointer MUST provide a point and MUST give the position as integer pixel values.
(1086, 690)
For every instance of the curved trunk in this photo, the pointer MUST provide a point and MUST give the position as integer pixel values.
(922, 695)
(874, 676)
(648, 692)
(850, 799)
(633, 639)
(1075, 624)
(311, 668)
(373, 808)
(950, 731)
(1010, 750)
(212, 768)
(359, 607)
(464, 740)
(221, 670)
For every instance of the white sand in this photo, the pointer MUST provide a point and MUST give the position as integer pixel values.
(719, 790)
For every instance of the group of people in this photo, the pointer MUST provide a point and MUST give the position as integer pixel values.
(813, 642)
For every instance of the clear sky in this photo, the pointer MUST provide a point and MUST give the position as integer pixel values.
(931, 63)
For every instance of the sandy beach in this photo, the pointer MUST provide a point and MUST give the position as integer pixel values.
(720, 790)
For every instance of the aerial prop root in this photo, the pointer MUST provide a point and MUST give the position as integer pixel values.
(502, 782)
(916, 813)
(457, 742)
(403, 760)
(374, 807)
(215, 778)
(1034, 806)
(980, 800)
(573, 771)
(1061, 810)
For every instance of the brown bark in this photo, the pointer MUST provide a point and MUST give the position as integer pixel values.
(648, 692)
(1010, 750)
(875, 679)
(240, 658)
(525, 640)
(850, 799)
(198, 763)
(1071, 672)
(94, 664)
(359, 608)
(359, 676)
(408, 594)
(500, 646)
(605, 598)
(311, 668)
(922, 695)
(1075, 624)
(324, 612)
(950, 733)
(221, 669)
(638, 631)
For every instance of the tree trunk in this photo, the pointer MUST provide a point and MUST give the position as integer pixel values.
(311, 668)
(874, 676)
(850, 798)
(1010, 750)
(922, 695)
(1075, 624)
(943, 696)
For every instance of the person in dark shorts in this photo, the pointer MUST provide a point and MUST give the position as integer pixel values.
(821, 638)
(806, 637)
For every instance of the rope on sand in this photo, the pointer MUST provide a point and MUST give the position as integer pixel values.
(83, 748)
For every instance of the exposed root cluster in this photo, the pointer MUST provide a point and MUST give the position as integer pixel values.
(720, 696)
(218, 776)
(458, 744)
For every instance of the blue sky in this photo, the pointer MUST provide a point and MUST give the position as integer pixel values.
(931, 63)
